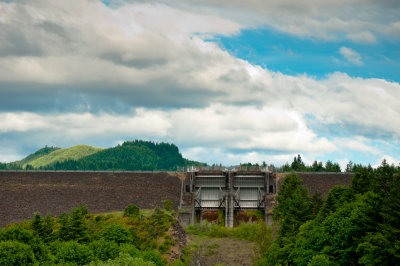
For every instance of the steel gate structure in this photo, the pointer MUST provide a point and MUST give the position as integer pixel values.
(231, 190)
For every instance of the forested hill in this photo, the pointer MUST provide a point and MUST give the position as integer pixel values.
(38, 154)
(131, 155)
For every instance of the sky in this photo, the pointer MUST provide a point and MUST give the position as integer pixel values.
(226, 81)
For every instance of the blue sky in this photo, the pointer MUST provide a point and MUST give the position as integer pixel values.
(227, 81)
(293, 55)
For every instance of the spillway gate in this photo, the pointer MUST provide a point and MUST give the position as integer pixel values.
(230, 191)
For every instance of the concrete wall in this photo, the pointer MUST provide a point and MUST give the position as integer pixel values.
(24, 193)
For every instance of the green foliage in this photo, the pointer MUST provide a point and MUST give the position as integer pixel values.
(319, 260)
(299, 166)
(104, 250)
(17, 233)
(72, 252)
(293, 208)
(130, 249)
(131, 155)
(31, 157)
(336, 197)
(60, 155)
(258, 232)
(125, 260)
(131, 211)
(115, 232)
(81, 238)
(15, 253)
(209, 229)
(355, 225)
(47, 232)
(167, 204)
(36, 224)
(152, 256)
(364, 180)
(316, 202)
(74, 227)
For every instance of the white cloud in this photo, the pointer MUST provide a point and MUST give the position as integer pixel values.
(351, 56)
(227, 158)
(83, 125)
(389, 159)
(229, 127)
(192, 92)
(356, 143)
(357, 20)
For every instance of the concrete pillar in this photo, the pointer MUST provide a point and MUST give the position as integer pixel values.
(193, 210)
(229, 203)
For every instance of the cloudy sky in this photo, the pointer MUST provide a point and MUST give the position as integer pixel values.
(227, 81)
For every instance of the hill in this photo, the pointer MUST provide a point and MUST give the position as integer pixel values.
(59, 155)
(36, 155)
(135, 155)
(131, 155)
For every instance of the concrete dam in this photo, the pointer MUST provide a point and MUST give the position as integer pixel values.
(202, 193)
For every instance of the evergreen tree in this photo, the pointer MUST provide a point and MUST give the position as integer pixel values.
(36, 224)
(77, 226)
(298, 164)
(293, 208)
(48, 228)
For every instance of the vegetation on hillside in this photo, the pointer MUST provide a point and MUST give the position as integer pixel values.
(355, 225)
(36, 155)
(74, 153)
(81, 238)
(131, 155)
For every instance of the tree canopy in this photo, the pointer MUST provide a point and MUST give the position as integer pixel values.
(359, 224)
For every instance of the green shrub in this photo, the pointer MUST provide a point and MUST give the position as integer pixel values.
(15, 253)
(36, 224)
(130, 249)
(250, 231)
(219, 231)
(17, 233)
(152, 256)
(116, 233)
(166, 245)
(319, 260)
(72, 252)
(77, 226)
(168, 205)
(125, 260)
(209, 229)
(74, 227)
(104, 250)
(202, 228)
(131, 211)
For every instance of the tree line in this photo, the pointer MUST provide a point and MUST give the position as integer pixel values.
(82, 238)
(359, 224)
(131, 155)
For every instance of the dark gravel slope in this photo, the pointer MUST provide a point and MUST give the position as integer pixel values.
(24, 193)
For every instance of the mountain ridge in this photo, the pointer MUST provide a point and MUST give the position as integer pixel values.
(130, 155)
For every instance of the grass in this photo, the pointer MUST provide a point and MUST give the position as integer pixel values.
(59, 155)
(34, 156)
(257, 235)
(245, 231)
(218, 251)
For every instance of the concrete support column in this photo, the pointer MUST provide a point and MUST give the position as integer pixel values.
(229, 203)
(192, 218)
